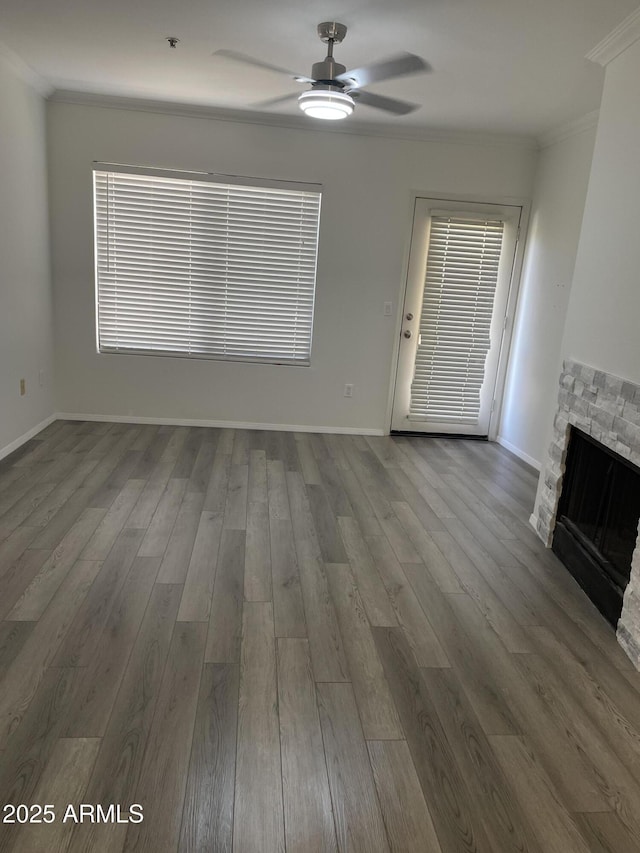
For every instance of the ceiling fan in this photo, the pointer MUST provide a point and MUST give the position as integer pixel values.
(334, 90)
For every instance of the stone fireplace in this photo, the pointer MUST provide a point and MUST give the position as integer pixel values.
(607, 409)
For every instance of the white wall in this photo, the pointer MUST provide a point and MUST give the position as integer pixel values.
(603, 320)
(558, 204)
(25, 292)
(603, 314)
(365, 229)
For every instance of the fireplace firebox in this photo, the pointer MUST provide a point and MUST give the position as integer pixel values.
(597, 521)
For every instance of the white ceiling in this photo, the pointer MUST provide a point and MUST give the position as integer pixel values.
(500, 66)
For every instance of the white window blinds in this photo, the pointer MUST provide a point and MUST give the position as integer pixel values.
(190, 267)
(455, 323)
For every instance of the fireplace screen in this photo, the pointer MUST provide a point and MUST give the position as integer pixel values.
(598, 515)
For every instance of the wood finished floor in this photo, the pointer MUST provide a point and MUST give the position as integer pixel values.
(277, 641)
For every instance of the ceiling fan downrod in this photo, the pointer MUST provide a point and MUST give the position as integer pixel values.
(325, 72)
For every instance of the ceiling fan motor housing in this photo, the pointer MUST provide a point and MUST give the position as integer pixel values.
(327, 71)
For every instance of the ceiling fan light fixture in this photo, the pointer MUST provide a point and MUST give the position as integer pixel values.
(328, 105)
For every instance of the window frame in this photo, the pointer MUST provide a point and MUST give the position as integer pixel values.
(221, 180)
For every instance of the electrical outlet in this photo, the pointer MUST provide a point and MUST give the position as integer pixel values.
(388, 308)
(23, 387)
(348, 390)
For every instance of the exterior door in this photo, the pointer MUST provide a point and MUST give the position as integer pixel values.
(460, 270)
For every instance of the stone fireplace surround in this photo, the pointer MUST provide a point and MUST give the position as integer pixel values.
(608, 409)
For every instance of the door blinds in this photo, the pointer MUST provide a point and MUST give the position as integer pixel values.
(190, 267)
(460, 283)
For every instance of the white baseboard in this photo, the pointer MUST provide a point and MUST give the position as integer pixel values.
(5, 451)
(134, 419)
(519, 453)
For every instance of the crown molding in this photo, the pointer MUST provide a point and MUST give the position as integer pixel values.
(618, 40)
(421, 134)
(13, 62)
(570, 128)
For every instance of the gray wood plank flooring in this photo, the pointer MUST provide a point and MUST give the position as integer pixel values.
(286, 642)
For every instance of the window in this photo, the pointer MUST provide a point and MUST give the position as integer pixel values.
(457, 312)
(190, 266)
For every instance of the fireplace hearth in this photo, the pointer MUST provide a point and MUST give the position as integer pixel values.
(597, 521)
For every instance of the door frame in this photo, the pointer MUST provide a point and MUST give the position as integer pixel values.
(512, 300)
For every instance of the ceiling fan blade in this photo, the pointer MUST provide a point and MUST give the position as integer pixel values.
(386, 69)
(258, 63)
(271, 102)
(390, 105)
